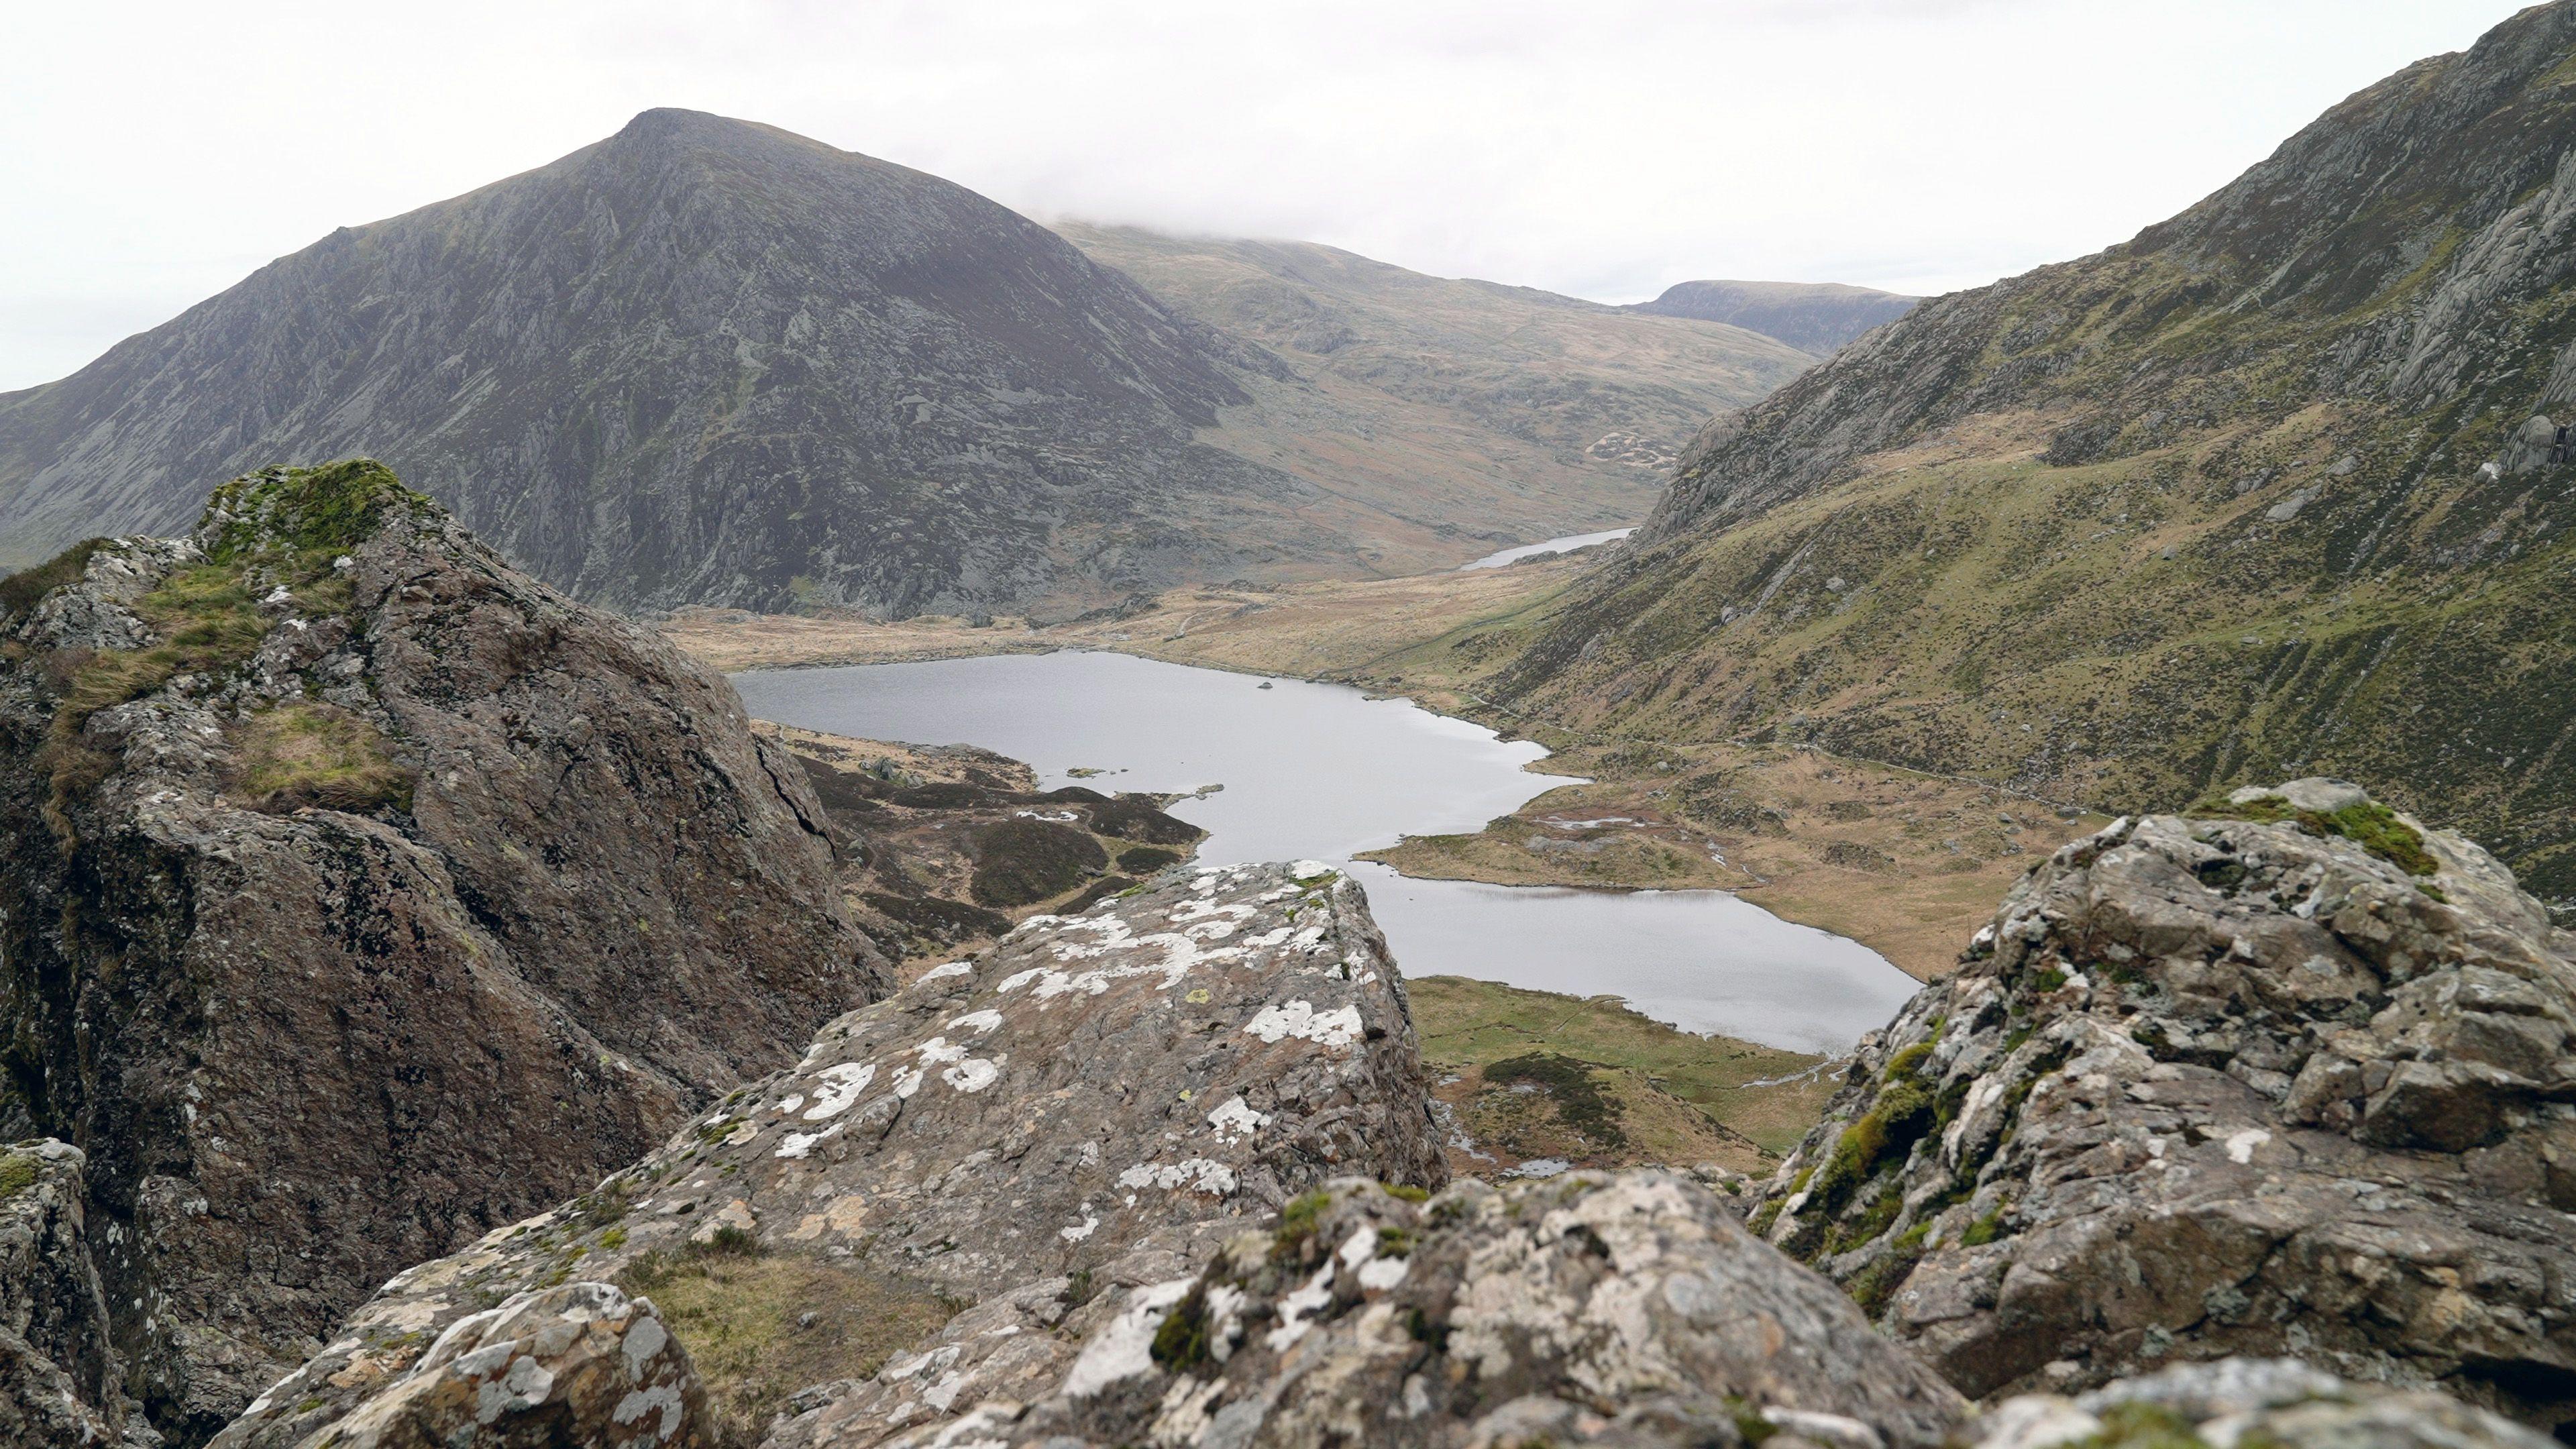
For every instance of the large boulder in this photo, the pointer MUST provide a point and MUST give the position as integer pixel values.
(1035, 1136)
(2280, 1403)
(1627, 1309)
(358, 894)
(61, 1384)
(2286, 1076)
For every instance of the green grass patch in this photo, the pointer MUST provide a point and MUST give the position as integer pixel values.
(308, 754)
(760, 1326)
(2372, 826)
(22, 591)
(323, 510)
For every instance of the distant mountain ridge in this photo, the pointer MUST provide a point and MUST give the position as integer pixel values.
(708, 361)
(1819, 317)
(1441, 386)
(2267, 491)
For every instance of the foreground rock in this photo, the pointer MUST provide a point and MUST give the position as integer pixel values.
(357, 894)
(1092, 1107)
(1628, 1309)
(2292, 1082)
(60, 1381)
(2252, 1402)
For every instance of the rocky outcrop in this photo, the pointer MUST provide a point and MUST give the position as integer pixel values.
(2246, 1401)
(1092, 1107)
(580, 1364)
(1821, 317)
(61, 1384)
(358, 894)
(1628, 1309)
(2286, 1076)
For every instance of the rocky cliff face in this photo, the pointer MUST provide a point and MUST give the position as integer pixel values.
(359, 894)
(2290, 1076)
(1045, 1131)
(701, 361)
(2249, 496)
(1820, 317)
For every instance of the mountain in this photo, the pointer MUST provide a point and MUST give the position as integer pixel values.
(1539, 414)
(2265, 491)
(359, 895)
(1817, 316)
(708, 361)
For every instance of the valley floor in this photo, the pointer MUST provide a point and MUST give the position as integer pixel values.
(1907, 864)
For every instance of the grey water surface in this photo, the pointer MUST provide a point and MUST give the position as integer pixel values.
(1566, 544)
(1315, 771)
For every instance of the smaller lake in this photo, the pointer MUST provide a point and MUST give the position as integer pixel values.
(1316, 771)
(1554, 545)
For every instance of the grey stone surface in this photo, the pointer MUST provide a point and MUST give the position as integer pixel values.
(2209, 1087)
(2244, 1401)
(1610, 1309)
(581, 1364)
(316, 1024)
(1090, 1107)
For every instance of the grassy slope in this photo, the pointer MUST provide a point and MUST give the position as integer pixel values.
(2193, 512)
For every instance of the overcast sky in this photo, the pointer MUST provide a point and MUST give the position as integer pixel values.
(156, 153)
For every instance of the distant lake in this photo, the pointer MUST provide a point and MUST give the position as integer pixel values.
(1554, 545)
(1317, 771)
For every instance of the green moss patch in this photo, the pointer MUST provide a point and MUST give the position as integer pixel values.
(17, 1173)
(329, 509)
(2372, 826)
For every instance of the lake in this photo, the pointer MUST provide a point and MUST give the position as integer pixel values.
(1566, 544)
(1317, 771)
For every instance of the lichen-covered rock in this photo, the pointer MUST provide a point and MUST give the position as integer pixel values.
(60, 1381)
(2291, 1082)
(358, 894)
(1623, 1309)
(1091, 1107)
(2278, 1403)
(578, 1364)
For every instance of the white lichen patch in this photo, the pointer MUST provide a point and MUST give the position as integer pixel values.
(978, 1022)
(1195, 1174)
(1300, 1306)
(1125, 1348)
(799, 1144)
(1300, 1019)
(838, 1087)
(1234, 1119)
(943, 972)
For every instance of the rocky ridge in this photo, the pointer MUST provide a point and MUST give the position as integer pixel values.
(1820, 317)
(2286, 1076)
(360, 893)
(2266, 491)
(1145, 1268)
(1090, 1108)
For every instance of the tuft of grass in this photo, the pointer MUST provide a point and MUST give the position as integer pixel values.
(759, 1326)
(308, 754)
(22, 591)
